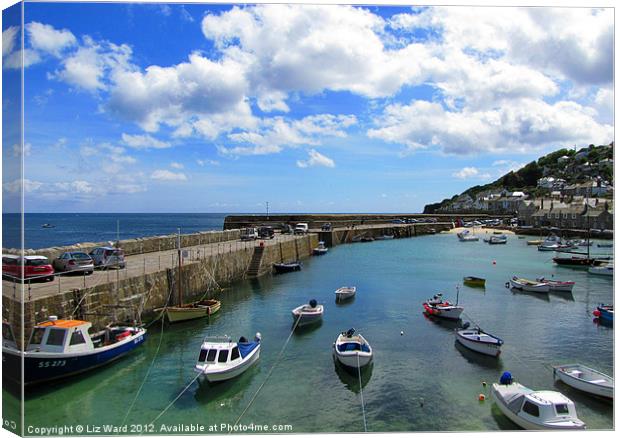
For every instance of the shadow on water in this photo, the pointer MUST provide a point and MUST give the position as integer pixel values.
(349, 377)
(306, 329)
(227, 391)
(567, 296)
(448, 324)
(479, 359)
(345, 302)
(503, 422)
(540, 296)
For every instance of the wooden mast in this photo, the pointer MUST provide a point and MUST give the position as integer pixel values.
(179, 255)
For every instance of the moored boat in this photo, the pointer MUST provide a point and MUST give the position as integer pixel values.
(605, 313)
(385, 237)
(498, 240)
(352, 350)
(478, 340)
(585, 379)
(60, 348)
(281, 268)
(345, 292)
(573, 261)
(556, 285)
(436, 306)
(535, 410)
(321, 249)
(474, 281)
(308, 313)
(604, 269)
(195, 310)
(535, 242)
(467, 236)
(221, 359)
(528, 285)
(605, 245)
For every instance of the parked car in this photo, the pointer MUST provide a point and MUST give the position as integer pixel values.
(74, 261)
(301, 228)
(249, 234)
(34, 268)
(286, 229)
(326, 227)
(266, 233)
(108, 257)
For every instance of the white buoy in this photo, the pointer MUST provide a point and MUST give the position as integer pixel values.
(402, 332)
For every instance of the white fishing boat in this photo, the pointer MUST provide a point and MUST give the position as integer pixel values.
(308, 313)
(221, 359)
(556, 285)
(585, 379)
(551, 243)
(436, 306)
(321, 249)
(528, 285)
(605, 269)
(478, 340)
(345, 292)
(535, 410)
(498, 240)
(352, 350)
(467, 236)
(384, 237)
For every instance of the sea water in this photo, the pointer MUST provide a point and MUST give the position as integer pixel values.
(418, 381)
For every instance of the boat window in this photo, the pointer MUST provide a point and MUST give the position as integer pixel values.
(37, 335)
(76, 338)
(561, 409)
(203, 355)
(223, 356)
(531, 408)
(56, 337)
(211, 355)
(235, 353)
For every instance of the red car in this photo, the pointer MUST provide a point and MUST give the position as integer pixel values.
(35, 268)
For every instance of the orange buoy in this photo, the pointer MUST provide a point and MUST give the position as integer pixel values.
(481, 397)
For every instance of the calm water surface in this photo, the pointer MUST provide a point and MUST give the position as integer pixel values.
(421, 381)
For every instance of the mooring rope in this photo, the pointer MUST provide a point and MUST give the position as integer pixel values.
(176, 398)
(268, 374)
(359, 375)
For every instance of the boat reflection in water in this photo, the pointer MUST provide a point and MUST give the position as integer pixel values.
(350, 378)
(479, 359)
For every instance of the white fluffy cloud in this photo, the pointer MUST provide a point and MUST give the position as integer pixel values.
(166, 175)
(176, 165)
(45, 38)
(316, 159)
(520, 126)
(470, 172)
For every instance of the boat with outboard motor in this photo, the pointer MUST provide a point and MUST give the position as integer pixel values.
(436, 306)
(308, 313)
(585, 379)
(222, 359)
(59, 348)
(535, 410)
(480, 341)
(352, 350)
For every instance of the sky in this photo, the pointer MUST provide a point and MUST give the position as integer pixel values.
(333, 108)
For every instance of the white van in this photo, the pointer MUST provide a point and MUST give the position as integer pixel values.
(249, 234)
(301, 228)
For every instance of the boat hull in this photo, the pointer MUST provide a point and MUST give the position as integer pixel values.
(447, 312)
(539, 288)
(351, 360)
(179, 314)
(474, 282)
(486, 348)
(231, 373)
(282, 268)
(597, 389)
(45, 367)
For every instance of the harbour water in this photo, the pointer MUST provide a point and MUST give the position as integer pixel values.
(420, 381)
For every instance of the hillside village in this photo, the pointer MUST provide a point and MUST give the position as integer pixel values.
(564, 189)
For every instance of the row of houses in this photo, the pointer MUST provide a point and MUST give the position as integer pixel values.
(593, 187)
(580, 213)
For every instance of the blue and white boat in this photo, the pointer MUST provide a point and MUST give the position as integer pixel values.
(222, 359)
(605, 313)
(60, 348)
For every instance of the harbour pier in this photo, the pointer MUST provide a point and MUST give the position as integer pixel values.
(211, 261)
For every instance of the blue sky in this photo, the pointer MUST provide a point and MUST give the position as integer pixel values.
(219, 108)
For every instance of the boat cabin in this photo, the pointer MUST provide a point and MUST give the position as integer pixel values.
(543, 405)
(8, 339)
(223, 352)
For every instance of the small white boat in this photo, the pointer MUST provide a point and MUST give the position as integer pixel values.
(549, 247)
(308, 313)
(557, 286)
(345, 292)
(585, 379)
(498, 240)
(466, 236)
(528, 285)
(321, 249)
(221, 359)
(436, 306)
(606, 269)
(535, 410)
(478, 340)
(384, 237)
(352, 350)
